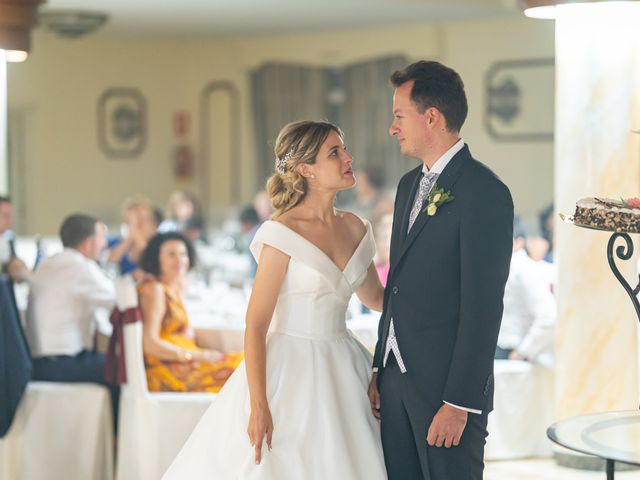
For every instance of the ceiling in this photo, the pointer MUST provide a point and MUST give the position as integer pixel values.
(226, 18)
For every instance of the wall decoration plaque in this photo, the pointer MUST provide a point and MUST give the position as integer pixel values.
(122, 122)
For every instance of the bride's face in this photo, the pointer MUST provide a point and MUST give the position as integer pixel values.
(332, 169)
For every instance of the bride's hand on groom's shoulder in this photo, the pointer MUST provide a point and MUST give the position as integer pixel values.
(447, 426)
(260, 426)
(374, 396)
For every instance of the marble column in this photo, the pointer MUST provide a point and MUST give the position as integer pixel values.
(596, 154)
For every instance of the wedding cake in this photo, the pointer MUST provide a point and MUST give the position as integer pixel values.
(608, 214)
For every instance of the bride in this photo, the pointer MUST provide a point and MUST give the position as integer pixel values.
(300, 408)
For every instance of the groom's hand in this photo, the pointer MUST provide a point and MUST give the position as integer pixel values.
(374, 396)
(447, 427)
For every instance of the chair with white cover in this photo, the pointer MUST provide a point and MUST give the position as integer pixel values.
(153, 426)
(61, 431)
(523, 409)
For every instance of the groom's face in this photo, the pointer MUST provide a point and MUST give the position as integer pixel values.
(408, 126)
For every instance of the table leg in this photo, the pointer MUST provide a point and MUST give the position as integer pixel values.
(610, 469)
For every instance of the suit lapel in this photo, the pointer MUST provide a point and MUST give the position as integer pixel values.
(445, 181)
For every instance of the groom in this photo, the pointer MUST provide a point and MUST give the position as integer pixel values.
(451, 246)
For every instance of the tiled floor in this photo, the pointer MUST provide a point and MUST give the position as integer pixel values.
(545, 470)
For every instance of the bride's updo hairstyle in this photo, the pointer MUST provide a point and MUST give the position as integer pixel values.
(297, 143)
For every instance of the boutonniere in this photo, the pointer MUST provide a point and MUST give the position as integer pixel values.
(437, 196)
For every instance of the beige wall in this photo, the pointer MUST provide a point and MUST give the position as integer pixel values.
(57, 89)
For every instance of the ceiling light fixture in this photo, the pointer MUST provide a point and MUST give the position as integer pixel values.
(546, 9)
(17, 17)
(72, 23)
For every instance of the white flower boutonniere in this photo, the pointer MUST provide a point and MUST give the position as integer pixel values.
(437, 196)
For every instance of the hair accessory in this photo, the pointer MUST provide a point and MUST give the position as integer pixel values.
(281, 162)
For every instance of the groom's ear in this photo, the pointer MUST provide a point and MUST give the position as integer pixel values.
(431, 116)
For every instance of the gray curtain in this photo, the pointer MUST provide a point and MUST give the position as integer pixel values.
(357, 97)
(283, 94)
(367, 115)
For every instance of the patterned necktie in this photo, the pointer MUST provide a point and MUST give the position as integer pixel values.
(426, 182)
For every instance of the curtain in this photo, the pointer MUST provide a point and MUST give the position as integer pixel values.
(367, 115)
(282, 94)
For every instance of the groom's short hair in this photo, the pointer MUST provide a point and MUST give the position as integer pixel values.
(435, 85)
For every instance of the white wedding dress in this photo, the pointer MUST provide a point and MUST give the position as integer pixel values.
(317, 379)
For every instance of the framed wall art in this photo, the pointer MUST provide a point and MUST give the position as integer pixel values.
(520, 100)
(122, 122)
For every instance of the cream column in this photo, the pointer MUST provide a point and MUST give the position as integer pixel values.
(596, 154)
(4, 165)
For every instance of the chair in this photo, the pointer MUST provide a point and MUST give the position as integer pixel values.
(153, 426)
(59, 430)
(523, 409)
(62, 431)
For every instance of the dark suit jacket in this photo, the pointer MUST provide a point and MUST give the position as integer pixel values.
(15, 360)
(446, 284)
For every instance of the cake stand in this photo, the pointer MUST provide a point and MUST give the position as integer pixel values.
(624, 252)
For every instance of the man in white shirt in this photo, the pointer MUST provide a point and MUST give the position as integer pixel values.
(526, 332)
(65, 292)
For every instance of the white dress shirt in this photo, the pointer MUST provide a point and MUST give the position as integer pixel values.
(65, 292)
(529, 309)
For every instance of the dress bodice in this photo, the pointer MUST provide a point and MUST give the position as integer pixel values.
(315, 293)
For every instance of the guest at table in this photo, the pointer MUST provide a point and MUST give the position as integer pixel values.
(181, 209)
(526, 332)
(10, 264)
(66, 291)
(173, 360)
(140, 224)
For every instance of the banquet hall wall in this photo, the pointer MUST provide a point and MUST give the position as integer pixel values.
(53, 98)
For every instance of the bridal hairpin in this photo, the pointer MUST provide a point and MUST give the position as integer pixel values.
(281, 162)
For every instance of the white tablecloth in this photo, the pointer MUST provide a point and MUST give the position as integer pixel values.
(523, 409)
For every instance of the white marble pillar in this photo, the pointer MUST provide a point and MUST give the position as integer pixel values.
(597, 107)
(4, 166)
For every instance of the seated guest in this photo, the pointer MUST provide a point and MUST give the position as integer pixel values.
(194, 230)
(526, 332)
(141, 222)
(65, 291)
(173, 360)
(9, 263)
(182, 208)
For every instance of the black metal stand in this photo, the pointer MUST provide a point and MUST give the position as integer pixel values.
(611, 469)
(623, 254)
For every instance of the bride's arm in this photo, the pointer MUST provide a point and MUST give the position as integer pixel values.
(272, 267)
(371, 292)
